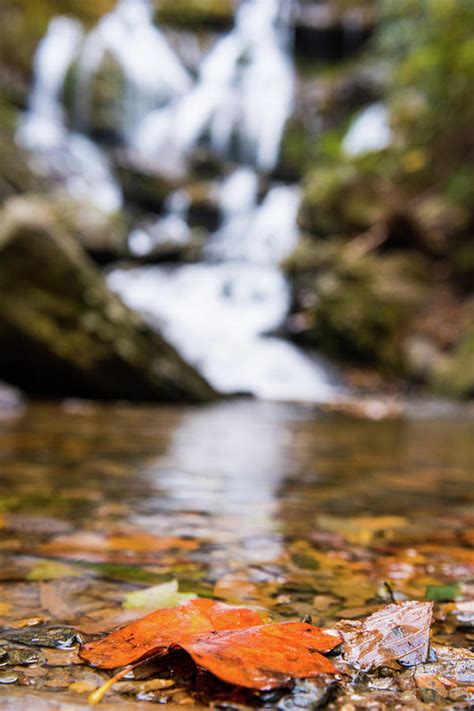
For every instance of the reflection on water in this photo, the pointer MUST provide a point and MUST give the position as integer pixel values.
(256, 503)
(230, 467)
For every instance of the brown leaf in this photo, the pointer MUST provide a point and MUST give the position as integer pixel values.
(397, 632)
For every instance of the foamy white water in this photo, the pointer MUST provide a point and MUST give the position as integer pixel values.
(370, 131)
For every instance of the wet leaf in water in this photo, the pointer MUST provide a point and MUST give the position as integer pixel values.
(230, 642)
(361, 529)
(395, 633)
(443, 593)
(86, 542)
(155, 633)
(52, 570)
(267, 656)
(41, 636)
(157, 597)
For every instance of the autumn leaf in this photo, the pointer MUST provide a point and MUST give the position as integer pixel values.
(398, 632)
(230, 642)
(156, 633)
(267, 656)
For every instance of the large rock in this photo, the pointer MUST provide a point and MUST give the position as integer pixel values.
(62, 333)
(354, 306)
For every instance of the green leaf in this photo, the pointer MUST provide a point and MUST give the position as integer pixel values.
(52, 570)
(157, 597)
(443, 593)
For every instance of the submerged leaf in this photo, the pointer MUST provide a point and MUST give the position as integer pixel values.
(52, 570)
(443, 593)
(157, 597)
(399, 632)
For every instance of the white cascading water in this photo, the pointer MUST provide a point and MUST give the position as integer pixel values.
(57, 152)
(370, 131)
(243, 94)
(217, 312)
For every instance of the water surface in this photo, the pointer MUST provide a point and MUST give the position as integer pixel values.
(257, 503)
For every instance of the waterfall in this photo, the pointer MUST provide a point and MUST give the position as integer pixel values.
(219, 311)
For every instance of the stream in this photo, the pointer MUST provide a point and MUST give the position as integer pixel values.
(262, 504)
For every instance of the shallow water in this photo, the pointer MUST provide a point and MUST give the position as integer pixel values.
(256, 503)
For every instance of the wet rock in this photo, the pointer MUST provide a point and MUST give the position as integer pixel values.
(15, 656)
(144, 185)
(102, 235)
(63, 333)
(356, 307)
(455, 373)
(8, 677)
(331, 31)
(41, 636)
(203, 208)
(211, 14)
(308, 694)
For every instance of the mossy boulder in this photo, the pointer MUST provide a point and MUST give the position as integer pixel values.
(356, 306)
(63, 333)
(340, 199)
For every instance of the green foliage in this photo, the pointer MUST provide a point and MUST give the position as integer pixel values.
(431, 45)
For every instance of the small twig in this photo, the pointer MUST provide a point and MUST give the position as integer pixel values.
(389, 589)
(96, 696)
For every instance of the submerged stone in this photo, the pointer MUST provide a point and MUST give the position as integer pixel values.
(41, 636)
